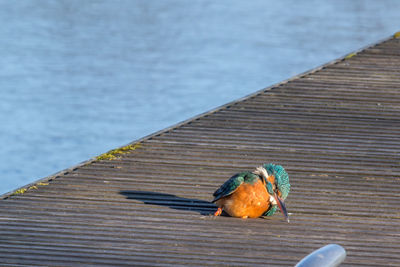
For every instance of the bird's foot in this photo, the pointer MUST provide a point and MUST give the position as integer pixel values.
(218, 212)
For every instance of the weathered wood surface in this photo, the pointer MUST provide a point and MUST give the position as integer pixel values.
(335, 129)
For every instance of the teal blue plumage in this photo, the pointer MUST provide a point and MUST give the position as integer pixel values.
(281, 178)
(282, 182)
(233, 183)
(271, 211)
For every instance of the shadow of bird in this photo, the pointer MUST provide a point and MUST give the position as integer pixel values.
(172, 201)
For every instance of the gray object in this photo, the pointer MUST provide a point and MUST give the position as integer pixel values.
(328, 256)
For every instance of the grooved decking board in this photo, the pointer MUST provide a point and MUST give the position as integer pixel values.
(335, 130)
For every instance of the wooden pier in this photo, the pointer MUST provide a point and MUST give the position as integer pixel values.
(335, 129)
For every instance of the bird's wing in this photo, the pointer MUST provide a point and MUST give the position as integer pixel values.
(232, 184)
(272, 209)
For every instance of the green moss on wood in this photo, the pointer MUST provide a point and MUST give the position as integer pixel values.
(116, 153)
(350, 55)
(106, 156)
(23, 190)
(19, 191)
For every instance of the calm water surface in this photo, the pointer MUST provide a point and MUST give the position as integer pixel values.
(78, 78)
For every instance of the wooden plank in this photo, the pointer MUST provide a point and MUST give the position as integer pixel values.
(336, 131)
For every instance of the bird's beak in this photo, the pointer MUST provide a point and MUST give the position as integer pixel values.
(282, 207)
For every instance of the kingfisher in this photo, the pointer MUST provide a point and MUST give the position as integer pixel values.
(254, 194)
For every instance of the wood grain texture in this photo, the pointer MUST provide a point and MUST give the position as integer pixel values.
(336, 130)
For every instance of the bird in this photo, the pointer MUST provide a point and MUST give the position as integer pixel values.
(254, 194)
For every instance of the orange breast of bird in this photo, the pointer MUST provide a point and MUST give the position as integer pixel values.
(248, 201)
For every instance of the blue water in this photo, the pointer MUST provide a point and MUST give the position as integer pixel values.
(78, 78)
